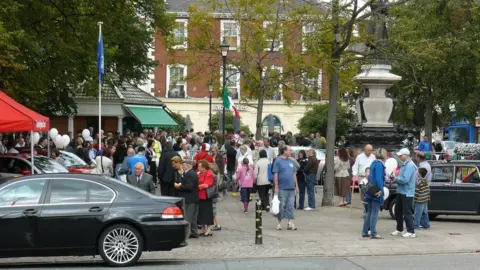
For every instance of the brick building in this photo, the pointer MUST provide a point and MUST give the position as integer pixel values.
(191, 97)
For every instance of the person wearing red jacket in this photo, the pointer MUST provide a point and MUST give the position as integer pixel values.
(205, 206)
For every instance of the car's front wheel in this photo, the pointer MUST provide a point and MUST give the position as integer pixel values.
(391, 208)
(120, 245)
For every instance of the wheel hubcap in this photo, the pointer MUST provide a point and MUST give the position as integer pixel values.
(120, 245)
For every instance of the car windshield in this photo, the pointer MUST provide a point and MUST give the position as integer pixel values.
(72, 160)
(319, 153)
(450, 144)
(47, 165)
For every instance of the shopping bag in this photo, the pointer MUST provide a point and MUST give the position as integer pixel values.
(275, 209)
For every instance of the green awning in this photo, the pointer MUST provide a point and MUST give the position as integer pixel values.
(150, 116)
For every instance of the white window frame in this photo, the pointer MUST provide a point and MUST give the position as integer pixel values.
(222, 31)
(185, 72)
(237, 85)
(280, 69)
(278, 40)
(185, 44)
(305, 33)
(319, 83)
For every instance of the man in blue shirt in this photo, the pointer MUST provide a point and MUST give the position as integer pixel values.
(285, 181)
(405, 192)
(139, 157)
(425, 145)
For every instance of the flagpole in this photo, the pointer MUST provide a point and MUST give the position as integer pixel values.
(99, 96)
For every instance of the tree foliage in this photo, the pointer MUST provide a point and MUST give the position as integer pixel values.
(316, 119)
(270, 60)
(434, 47)
(228, 123)
(48, 48)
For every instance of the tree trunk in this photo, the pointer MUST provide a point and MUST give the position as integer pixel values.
(428, 112)
(331, 135)
(259, 122)
(327, 199)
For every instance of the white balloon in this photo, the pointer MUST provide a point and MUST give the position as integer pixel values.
(85, 133)
(391, 165)
(386, 193)
(53, 133)
(66, 140)
(59, 141)
(36, 137)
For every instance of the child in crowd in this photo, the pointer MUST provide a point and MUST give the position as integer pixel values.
(422, 196)
(363, 188)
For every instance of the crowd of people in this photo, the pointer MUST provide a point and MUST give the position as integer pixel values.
(197, 167)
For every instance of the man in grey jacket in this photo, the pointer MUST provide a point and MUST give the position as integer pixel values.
(141, 179)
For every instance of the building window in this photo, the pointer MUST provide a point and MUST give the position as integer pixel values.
(273, 34)
(274, 81)
(307, 30)
(176, 81)
(230, 31)
(180, 34)
(233, 81)
(313, 86)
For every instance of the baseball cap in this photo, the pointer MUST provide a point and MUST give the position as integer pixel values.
(403, 152)
(89, 139)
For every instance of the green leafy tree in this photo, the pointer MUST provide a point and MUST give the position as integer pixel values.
(269, 60)
(435, 49)
(49, 48)
(228, 123)
(316, 119)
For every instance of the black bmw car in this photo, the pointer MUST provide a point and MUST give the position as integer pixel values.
(81, 215)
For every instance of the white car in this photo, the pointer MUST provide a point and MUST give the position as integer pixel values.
(321, 157)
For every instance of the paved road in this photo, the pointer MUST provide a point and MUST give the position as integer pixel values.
(422, 262)
(329, 231)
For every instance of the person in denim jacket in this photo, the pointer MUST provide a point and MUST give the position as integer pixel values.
(377, 177)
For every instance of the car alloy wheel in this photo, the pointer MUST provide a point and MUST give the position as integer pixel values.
(121, 245)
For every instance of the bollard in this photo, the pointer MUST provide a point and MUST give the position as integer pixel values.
(258, 223)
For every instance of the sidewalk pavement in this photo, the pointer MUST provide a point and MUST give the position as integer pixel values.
(328, 231)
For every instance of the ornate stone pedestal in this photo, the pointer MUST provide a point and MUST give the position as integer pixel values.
(375, 110)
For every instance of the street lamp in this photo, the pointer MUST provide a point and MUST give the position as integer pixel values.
(224, 47)
(210, 91)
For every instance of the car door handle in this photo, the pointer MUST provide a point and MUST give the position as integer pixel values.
(95, 209)
(30, 212)
(447, 184)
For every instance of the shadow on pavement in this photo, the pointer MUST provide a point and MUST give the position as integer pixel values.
(69, 265)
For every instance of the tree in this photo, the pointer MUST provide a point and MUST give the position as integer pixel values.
(338, 49)
(316, 119)
(434, 49)
(180, 119)
(228, 123)
(269, 60)
(49, 48)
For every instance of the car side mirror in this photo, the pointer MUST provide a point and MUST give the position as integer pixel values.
(26, 172)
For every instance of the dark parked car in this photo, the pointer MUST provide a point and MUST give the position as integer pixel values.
(454, 190)
(80, 215)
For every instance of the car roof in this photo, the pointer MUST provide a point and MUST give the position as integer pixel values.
(93, 177)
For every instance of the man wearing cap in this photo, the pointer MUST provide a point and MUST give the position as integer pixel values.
(405, 192)
(187, 188)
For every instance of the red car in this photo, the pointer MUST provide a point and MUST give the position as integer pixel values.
(75, 164)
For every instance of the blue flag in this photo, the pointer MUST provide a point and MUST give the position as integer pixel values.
(100, 58)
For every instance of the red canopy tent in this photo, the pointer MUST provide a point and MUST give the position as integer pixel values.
(15, 117)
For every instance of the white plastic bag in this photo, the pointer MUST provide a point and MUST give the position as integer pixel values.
(275, 209)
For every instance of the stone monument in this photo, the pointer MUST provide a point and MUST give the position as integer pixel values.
(375, 108)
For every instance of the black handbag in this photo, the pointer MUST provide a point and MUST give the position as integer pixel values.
(372, 189)
(212, 192)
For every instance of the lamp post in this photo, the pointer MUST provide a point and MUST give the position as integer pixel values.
(224, 47)
(210, 91)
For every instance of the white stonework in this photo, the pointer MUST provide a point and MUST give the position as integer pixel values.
(377, 107)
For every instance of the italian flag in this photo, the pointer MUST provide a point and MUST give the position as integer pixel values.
(228, 103)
